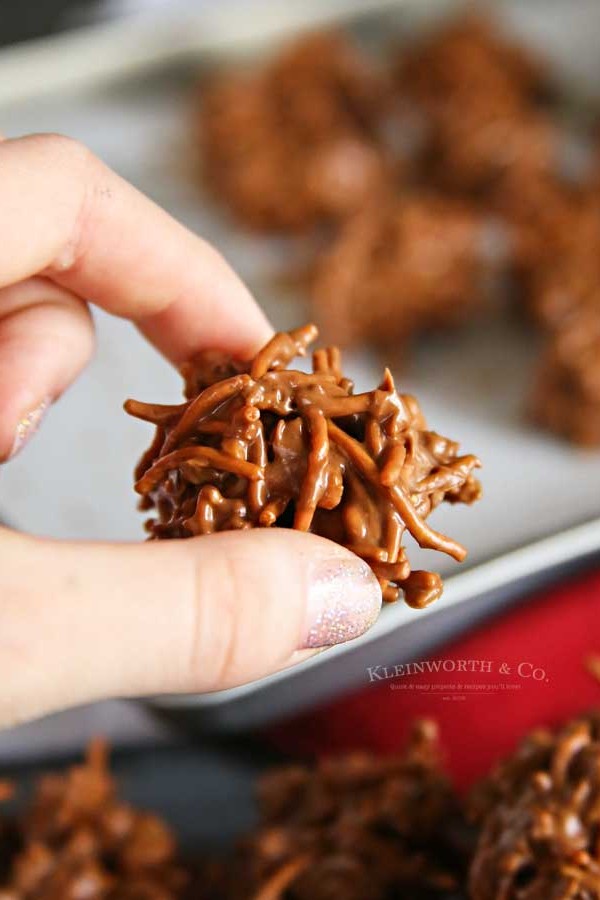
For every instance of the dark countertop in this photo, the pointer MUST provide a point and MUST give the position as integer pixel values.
(23, 21)
(206, 793)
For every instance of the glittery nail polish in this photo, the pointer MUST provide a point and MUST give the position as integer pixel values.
(344, 601)
(27, 426)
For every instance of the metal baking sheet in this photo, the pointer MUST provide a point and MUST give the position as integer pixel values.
(74, 481)
(205, 793)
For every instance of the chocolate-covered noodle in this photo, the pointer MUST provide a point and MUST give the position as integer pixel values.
(259, 445)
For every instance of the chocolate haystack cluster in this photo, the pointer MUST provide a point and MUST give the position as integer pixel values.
(358, 828)
(556, 265)
(354, 828)
(480, 99)
(405, 266)
(539, 814)
(567, 394)
(295, 144)
(412, 166)
(77, 840)
(260, 445)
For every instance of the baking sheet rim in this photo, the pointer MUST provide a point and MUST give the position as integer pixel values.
(87, 57)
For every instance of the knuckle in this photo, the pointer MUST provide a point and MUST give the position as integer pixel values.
(64, 149)
(84, 169)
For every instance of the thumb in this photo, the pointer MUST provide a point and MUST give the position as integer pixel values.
(80, 622)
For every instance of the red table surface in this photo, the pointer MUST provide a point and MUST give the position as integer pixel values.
(539, 650)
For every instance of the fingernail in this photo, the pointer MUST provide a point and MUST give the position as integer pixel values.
(344, 601)
(28, 426)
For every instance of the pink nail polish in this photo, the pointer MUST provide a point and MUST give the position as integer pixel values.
(344, 601)
(28, 425)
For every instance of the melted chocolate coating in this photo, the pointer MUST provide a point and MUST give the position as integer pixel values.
(258, 445)
(540, 818)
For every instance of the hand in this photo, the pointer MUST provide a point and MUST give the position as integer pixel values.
(84, 621)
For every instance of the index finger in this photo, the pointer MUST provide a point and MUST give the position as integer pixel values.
(66, 215)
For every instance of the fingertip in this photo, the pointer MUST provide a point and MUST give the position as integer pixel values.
(46, 338)
(344, 601)
(27, 427)
(265, 596)
(196, 322)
